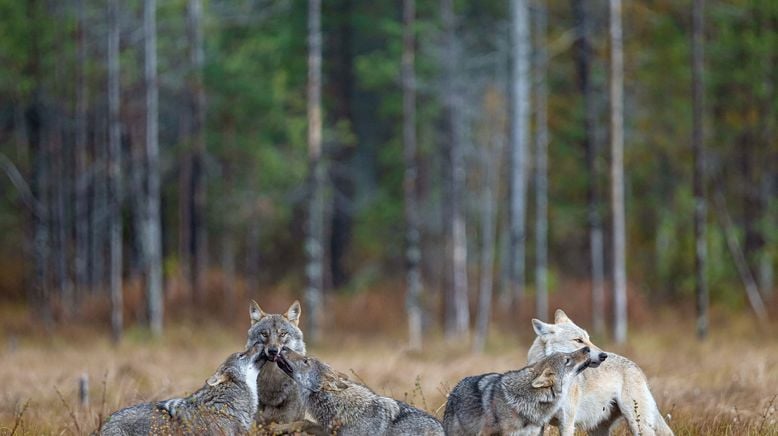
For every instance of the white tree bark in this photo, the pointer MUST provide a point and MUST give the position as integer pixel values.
(151, 232)
(197, 220)
(114, 171)
(700, 207)
(617, 174)
(541, 163)
(452, 101)
(412, 237)
(81, 181)
(520, 95)
(490, 156)
(314, 242)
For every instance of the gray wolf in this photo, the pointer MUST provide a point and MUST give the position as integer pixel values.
(598, 398)
(279, 399)
(225, 405)
(516, 402)
(348, 408)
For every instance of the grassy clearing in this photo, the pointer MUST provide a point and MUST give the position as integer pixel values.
(725, 385)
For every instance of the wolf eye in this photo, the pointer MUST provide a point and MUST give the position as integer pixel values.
(283, 335)
(263, 334)
(579, 340)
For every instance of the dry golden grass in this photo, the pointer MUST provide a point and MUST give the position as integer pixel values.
(725, 385)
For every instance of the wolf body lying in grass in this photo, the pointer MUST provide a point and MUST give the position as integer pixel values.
(225, 405)
(347, 408)
(599, 397)
(514, 403)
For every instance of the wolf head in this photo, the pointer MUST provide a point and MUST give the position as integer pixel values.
(310, 373)
(272, 332)
(562, 337)
(557, 370)
(239, 367)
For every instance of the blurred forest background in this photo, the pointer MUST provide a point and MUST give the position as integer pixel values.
(169, 160)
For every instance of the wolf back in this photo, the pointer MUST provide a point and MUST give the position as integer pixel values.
(515, 402)
(226, 405)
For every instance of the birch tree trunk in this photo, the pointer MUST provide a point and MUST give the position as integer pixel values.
(198, 254)
(41, 237)
(39, 174)
(114, 172)
(766, 273)
(583, 59)
(617, 174)
(98, 208)
(58, 216)
(58, 190)
(458, 321)
(315, 226)
(151, 231)
(698, 153)
(491, 172)
(410, 187)
(541, 164)
(519, 140)
(769, 186)
(80, 146)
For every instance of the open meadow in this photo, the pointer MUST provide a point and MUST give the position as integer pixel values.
(725, 385)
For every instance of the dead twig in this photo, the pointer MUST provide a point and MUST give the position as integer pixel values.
(19, 417)
(70, 411)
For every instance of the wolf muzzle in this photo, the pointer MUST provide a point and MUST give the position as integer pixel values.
(284, 365)
(271, 353)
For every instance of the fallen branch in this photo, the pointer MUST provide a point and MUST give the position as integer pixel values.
(21, 185)
(752, 291)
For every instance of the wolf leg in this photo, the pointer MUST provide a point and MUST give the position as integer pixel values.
(567, 420)
(566, 414)
(637, 412)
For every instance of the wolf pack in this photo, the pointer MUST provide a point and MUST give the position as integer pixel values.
(274, 387)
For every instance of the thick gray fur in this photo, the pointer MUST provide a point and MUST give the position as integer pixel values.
(225, 405)
(348, 408)
(513, 403)
(280, 399)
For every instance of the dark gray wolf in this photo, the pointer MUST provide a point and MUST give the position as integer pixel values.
(225, 405)
(517, 402)
(347, 408)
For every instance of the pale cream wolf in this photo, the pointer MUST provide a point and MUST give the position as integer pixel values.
(347, 408)
(599, 397)
(279, 398)
(224, 406)
(515, 403)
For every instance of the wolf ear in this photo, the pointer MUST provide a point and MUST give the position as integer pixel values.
(541, 328)
(218, 378)
(560, 316)
(293, 314)
(255, 312)
(544, 380)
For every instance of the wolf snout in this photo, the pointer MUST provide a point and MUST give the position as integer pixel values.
(603, 356)
(586, 349)
(272, 353)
